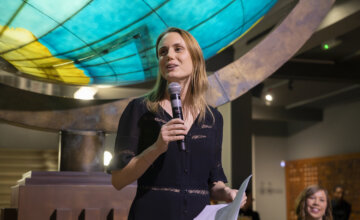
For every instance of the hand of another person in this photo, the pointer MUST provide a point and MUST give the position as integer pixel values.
(173, 130)
(243, 200)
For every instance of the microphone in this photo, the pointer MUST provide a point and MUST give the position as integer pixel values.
(174, 90)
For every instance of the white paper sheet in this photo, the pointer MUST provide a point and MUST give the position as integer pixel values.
(224, 211)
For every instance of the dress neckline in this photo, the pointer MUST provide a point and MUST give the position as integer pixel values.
(170, 117)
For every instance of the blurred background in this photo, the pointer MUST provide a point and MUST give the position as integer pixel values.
(304, 119)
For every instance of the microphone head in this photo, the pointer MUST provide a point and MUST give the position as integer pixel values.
(174, 88)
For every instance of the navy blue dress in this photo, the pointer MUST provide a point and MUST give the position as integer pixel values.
(176, 185)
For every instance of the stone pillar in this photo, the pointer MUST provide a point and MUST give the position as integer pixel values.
(81, 150)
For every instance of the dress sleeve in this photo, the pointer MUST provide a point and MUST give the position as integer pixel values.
(127, 137)
(217, 172)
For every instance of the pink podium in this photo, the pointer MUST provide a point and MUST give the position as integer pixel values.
(70, 195)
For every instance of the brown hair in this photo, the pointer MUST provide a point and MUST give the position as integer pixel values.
(198, 81)
(301, 202)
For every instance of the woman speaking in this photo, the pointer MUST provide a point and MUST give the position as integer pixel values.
(173, 183)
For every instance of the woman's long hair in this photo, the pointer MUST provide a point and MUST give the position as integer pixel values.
(198, 86)
(301, 202)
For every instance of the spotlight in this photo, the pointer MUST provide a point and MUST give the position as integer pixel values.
(268, 97)
(282, 163)
(107, 158)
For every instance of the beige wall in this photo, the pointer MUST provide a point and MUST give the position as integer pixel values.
(338, 133)
(18, 137)
(269, 176)
(225, 110)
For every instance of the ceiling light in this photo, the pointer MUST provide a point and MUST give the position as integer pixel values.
(282, 163)
(107, 158)
(85, 93)
(104, 86)
(268, 97)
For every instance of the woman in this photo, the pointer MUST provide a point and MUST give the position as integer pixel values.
(172, 183)
(314, 204)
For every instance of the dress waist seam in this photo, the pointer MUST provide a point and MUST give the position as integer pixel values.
(174, 190)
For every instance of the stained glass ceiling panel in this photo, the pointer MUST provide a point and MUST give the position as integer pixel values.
(111, 42)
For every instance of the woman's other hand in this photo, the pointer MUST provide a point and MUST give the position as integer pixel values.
(231, 194)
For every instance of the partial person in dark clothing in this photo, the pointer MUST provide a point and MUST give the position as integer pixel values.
(247, 210)
(173, 184)
(341, 209)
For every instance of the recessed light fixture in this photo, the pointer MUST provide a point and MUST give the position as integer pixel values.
(269, 97)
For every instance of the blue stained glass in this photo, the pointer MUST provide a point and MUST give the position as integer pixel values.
(7, 10)
(111, 41)
(52, 8)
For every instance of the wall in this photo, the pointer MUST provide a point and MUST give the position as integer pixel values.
(270, 196)
(338, 133)
(225, 110)
(18, 137)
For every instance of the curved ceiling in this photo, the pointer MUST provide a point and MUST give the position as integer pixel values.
(109, 42)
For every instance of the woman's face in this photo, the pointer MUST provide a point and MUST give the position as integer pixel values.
(174, 58)
(316, 205)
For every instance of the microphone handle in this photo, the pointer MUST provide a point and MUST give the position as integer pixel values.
(181, 143)
(177, 113)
